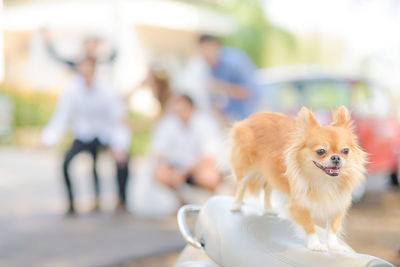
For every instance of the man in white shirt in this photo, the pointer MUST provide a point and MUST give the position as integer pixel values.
(185, 145)
(97, 116)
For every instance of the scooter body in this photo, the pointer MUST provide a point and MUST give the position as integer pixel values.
(251, 238)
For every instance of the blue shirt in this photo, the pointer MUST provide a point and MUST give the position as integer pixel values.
(235, 67)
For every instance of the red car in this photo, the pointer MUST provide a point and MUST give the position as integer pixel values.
(373, 109)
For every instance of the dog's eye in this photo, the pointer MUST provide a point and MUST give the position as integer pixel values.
(321, 152)
(345, 151)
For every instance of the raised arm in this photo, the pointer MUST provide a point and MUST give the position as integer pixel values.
(110, 59)
(52, 51)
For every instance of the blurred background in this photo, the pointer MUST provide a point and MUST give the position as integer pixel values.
(183, 71)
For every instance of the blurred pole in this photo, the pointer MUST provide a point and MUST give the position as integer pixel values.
(1, 43)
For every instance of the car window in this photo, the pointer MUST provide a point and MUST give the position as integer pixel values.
(325, 94)
(280, 97)
(362, 98)
(289, 97)
(370, 99)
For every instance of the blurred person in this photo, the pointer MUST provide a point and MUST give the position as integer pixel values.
(233, 75)
(193, 80)
(90, 49)
(185, 145)
(157, 79)
(97, 117)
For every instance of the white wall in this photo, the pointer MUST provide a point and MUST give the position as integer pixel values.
(1, 43)
(114, 21)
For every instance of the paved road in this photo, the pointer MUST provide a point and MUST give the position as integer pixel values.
(34, 231)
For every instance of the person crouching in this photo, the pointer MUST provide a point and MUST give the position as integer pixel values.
(97, 117)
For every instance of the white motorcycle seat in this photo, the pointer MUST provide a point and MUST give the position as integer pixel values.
(238, 239)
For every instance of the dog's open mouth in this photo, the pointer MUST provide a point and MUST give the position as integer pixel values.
(331, 171)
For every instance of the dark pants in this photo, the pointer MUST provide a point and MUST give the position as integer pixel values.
(93, 148)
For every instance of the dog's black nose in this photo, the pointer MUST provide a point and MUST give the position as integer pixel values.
(335, 158)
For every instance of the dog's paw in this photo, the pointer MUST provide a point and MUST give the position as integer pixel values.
(236, 207)
(316, 245)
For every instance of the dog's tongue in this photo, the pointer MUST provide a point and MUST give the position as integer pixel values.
(332, 170)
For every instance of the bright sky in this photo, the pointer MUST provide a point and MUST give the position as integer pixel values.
(368, 26)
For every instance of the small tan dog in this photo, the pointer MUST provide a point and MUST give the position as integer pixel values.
(313, 168)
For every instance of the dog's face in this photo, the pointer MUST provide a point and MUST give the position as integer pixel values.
(329, 148)
(327, 151)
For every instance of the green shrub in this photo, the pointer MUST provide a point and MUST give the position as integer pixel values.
(31, 109)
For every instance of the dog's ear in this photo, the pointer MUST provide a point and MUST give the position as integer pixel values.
(305, 119)
(341, 117)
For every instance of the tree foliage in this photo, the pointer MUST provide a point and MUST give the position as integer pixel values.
(264, 42)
